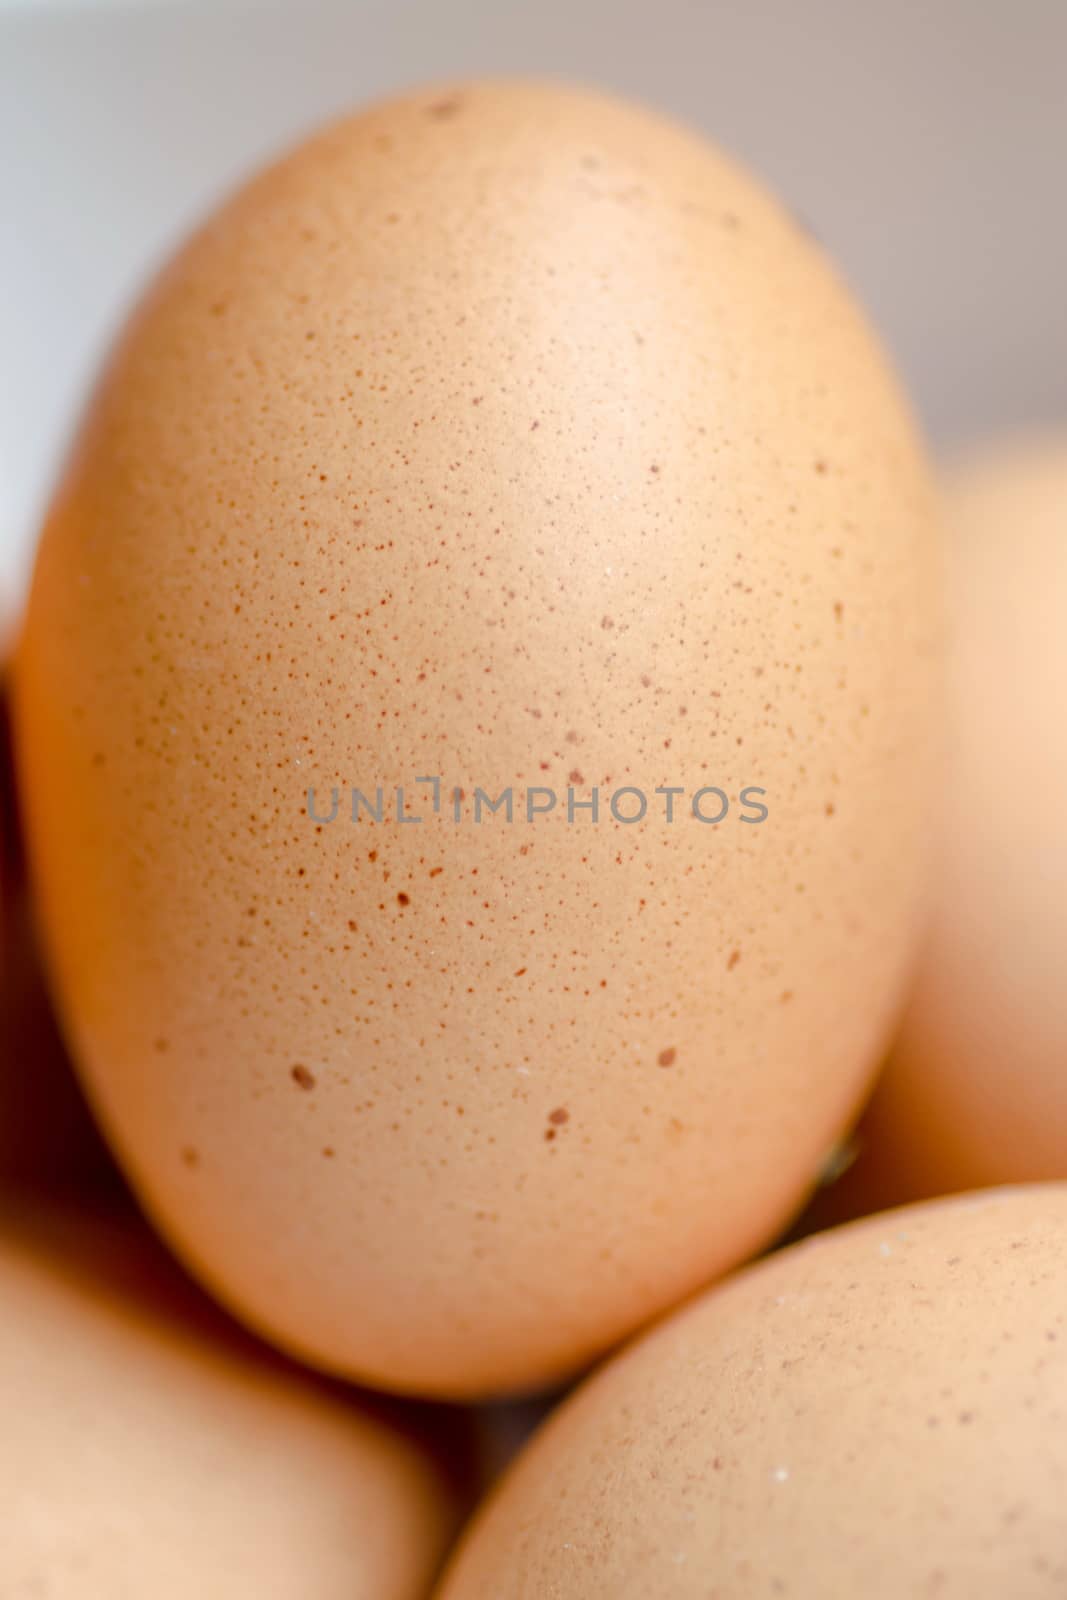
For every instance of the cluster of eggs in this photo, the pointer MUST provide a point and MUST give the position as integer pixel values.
(508, 442)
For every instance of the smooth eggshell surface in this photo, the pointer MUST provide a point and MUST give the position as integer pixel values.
(879, 1411)
(513, 436)
(144, 1453)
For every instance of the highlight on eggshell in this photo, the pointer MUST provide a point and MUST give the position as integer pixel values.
(147, 1449)
(878, 1411)
(502, 440)
(975, 1091)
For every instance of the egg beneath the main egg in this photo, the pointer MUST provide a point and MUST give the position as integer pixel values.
(879, 1411)
(149, 1450)
(500, 441)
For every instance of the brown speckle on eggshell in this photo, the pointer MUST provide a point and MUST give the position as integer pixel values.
(291, 553)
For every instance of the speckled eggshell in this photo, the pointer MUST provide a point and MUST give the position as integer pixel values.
(509, 435)
(976, 1090)
(145, 1451)
(879, 1411)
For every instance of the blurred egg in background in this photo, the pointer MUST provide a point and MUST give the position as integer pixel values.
(975, 1091)
(149, 1447)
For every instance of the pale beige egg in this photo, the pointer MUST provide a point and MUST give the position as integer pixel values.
(147, 1451)
(879, 1411)
(512, 438)
(976, 1088)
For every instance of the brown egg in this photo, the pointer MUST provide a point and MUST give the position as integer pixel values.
(511, 437)
(880, 1411)
(144, 1452)
(976, 1090)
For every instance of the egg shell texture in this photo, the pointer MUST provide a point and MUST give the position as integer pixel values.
(511, 435)
(879, 1411)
